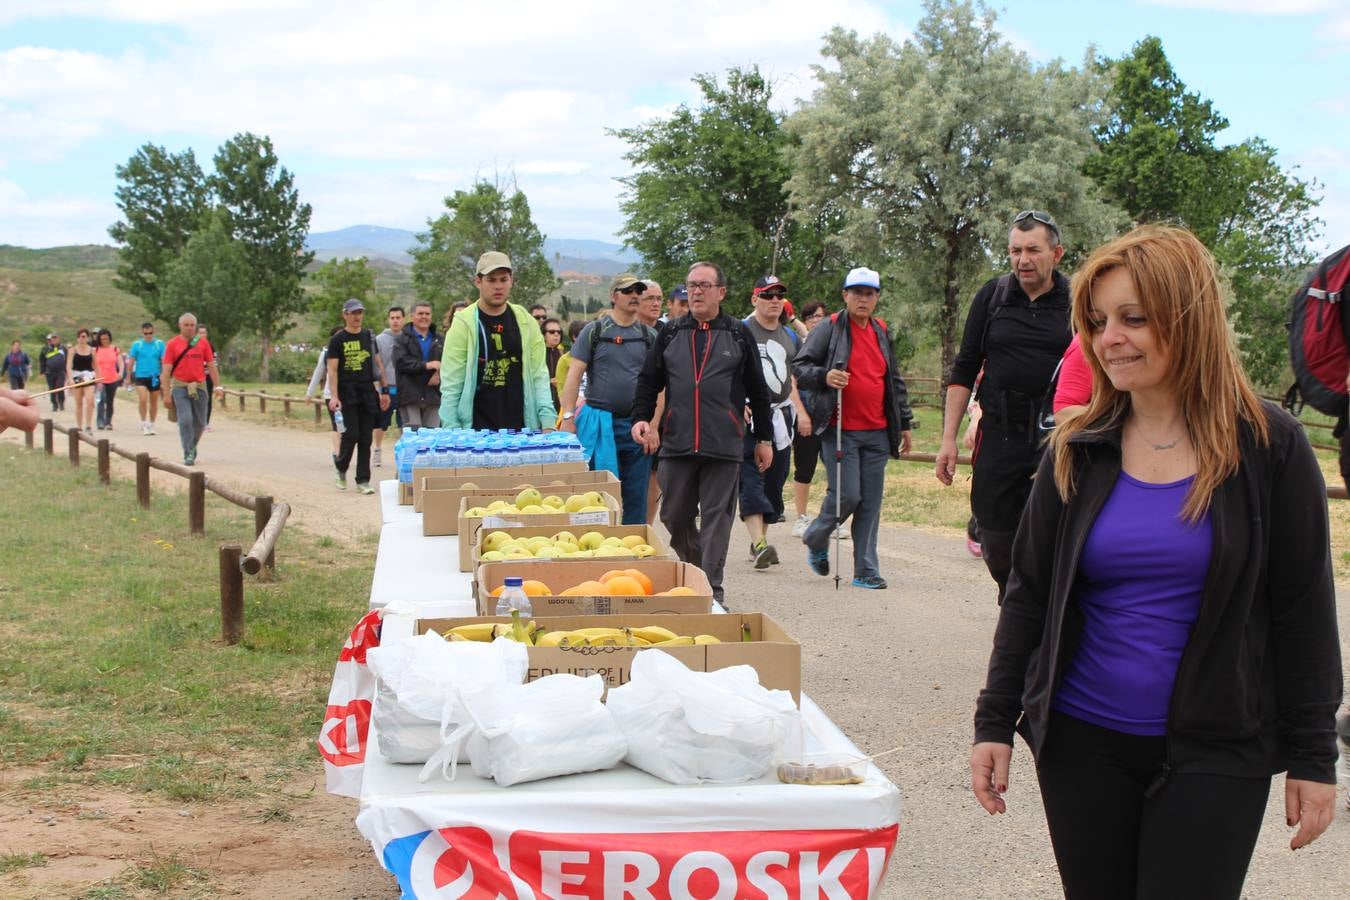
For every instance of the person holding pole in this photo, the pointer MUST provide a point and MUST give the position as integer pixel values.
(17, 409)
(859, 406)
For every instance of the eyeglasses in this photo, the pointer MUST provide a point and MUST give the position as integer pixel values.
(1036, 215)
(773, 295)
(541, 318)
(633, 289)
(553, 331)
(703, 285)
(814, 316)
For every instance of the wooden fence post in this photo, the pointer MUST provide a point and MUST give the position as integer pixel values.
(262, 402)
(286, 407)
(197, 503)
(48, 427)
(28, 439)
(104, 461)
(262, 514)
(143, 480)
(318, 413)
(231, 594)
(74, 438)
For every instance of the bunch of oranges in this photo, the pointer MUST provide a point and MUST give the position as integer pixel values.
(615, 583)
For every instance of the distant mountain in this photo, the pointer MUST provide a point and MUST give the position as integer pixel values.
(393, 244)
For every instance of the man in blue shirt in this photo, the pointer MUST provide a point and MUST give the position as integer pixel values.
(147, 355)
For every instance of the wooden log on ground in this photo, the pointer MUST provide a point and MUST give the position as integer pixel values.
(197, 503)
(143, 480)
(262, 515)
(262, 402)
(266, 543)
(231, 594)
(104, 461)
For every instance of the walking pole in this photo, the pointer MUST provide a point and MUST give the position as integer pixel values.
(838, 469)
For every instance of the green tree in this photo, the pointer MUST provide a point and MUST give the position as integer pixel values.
(710, 183)
(1160, 161)
(163, 197)
(209, 279)
(923, 152)
(484, 218)
(337, 281)
(270, 223)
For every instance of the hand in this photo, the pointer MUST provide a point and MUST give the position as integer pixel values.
(168, 400)
(548, 427)
(1307, 804)
(334, 404)
(17, 409)
(569, 425)
(989, 762)
(747, 415)
(384, 402)
(968, 439)
(763, 456)
(434, 365)
(836, 378)
(434, 380)
(642, 432)
(653, 443)
(906, 441)
(804, 424)
(945, 467)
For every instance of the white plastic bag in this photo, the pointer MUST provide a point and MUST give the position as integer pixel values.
(554, 726)
(687, 727)
(418, 681)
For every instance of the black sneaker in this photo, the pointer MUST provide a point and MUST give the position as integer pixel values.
(818, 560)
(871, 582)
(764, 554)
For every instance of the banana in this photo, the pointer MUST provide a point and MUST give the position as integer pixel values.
(653, 634)
(745, 632)
(501, 629)
(519, 633)
(701, 639)
(597, 632)
(683, 640)
(550, 638)
(458, 638)
(478, 631)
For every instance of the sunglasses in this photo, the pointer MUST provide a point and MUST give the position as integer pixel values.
(1036, 215)
(552, 331)
(541, 318)
(633, 290)
(773, 295)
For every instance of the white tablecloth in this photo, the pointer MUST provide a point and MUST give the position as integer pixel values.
(415, 573)
(390, 511)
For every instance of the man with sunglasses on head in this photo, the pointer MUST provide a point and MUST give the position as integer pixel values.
(147, 360)
(1017, 329)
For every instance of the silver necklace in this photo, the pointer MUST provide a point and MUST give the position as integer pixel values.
(1167, 446)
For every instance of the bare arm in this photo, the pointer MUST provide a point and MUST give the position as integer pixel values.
(567, 399)
(957, 397)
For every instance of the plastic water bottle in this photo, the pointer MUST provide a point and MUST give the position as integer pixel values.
(339, 423)
(443, 455)
(513, 597)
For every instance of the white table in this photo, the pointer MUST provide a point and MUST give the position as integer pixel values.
(390, 510)
(420, 573)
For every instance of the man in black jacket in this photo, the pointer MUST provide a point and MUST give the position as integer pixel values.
(1017, 329)
(417, 360)
(709, 368)
(52, 365)
(852, 354)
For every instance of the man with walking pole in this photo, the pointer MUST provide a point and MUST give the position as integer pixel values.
(851, 386)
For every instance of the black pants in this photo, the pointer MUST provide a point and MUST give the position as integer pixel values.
(360, 409)
(1005, 461)
(1193, 837)
(107, 396)
(56, 380)
(699, 487)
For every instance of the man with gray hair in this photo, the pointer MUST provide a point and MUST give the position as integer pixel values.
(188, 361)
(417, 362)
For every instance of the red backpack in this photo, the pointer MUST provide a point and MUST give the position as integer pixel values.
(1318, 349)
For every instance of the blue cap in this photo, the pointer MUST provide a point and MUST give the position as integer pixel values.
(678, 292)
(862, 277)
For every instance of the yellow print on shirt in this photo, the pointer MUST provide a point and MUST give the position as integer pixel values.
(354, 356)
(496, 370)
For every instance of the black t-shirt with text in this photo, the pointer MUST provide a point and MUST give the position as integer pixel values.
(355, 359)
(499, 401)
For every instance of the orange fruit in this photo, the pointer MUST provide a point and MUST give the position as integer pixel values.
(625, 586)
(574, 591)
(534, 588)
(585, 589)
(641, 578)
(497, 591)
(604, 579)
(680, 591)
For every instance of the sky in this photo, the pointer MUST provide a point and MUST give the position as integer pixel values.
(381, 109)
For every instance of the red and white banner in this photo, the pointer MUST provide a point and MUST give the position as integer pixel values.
(345, 733)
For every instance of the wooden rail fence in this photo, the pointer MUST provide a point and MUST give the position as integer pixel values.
(269, 518)
(263, 396)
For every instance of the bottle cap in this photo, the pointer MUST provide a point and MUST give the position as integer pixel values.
(514, 580)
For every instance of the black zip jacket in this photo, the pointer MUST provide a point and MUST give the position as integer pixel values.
(830, 347)
(1260, 679)
(710, 371)
(412, 371)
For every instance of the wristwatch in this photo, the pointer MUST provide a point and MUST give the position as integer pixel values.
(568, 415)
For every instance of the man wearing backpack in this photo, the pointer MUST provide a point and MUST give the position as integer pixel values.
(762, 492)
(356, 389)
(708, 366)
(188, 362)
(1017, 329)
(612, 349)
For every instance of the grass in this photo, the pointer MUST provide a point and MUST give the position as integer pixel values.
(117, 675)
(9, 862)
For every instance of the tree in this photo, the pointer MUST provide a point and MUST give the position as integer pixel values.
(923, 152)
(710, 183)
(209, 279)
(1159, 160)
(270, 223)
(484, 218)
(339, 280)
(163, 197)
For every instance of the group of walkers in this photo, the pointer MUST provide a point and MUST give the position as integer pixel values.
(181, 373)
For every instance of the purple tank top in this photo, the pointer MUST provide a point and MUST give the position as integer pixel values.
(1140, 581)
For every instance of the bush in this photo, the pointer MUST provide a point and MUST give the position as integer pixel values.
(290, 363)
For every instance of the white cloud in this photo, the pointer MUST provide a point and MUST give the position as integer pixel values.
(1255, 7)
(51, 221)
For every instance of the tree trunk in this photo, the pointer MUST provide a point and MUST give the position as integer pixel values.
(947, 320)
(264, 365)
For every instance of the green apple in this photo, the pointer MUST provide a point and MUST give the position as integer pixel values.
(529, 497)
(566, 536)
(632, 540)
(496, 505)
(574, 503)
(553, 501)
(594, 498)
(642, 551)
(520, 554)
(475, 512)
(492, 556)
(534, 509)
(590, 540)
(594, 509)
(606, 551)
(612, 541)
(547, 553)
(494, 540)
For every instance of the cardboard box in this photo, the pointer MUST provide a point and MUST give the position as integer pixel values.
(468, 528)
(441, 496)
(475, 473)
(770, 650)
(560, 574)
(405, 493)
(649, 537)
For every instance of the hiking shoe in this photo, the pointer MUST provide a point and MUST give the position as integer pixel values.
(799, 529)
(375, 458)
(974, 548)
(190, 458)
(819, 561)
(870, 582)
(364, 487)
(341, 481)
(764, 554)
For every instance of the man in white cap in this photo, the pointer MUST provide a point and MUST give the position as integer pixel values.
(852, 354)
(494, 372)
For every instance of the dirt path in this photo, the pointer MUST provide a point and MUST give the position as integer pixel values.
(896, 667)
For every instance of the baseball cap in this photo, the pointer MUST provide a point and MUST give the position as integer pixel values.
(50, 336)
(678, 292)
(769, 281)
(491, 261)
(862, 277)
(625, 281)
(353, 305)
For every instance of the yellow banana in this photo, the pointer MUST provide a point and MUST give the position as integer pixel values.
(501, 629)
(597, 631)
(550, 638)
(683, 640)
(706, 639)
(458, 638)
(519, 633)
(653, 633)
(478, 631)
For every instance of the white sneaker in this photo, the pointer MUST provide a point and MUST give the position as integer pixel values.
(803, 522)
(146, 429)
(844, 534)
(151, 428)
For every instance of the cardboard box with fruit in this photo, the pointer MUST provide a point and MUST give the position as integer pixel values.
(475, 473)
(599, 586)
(529, 507)
(551, 542)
